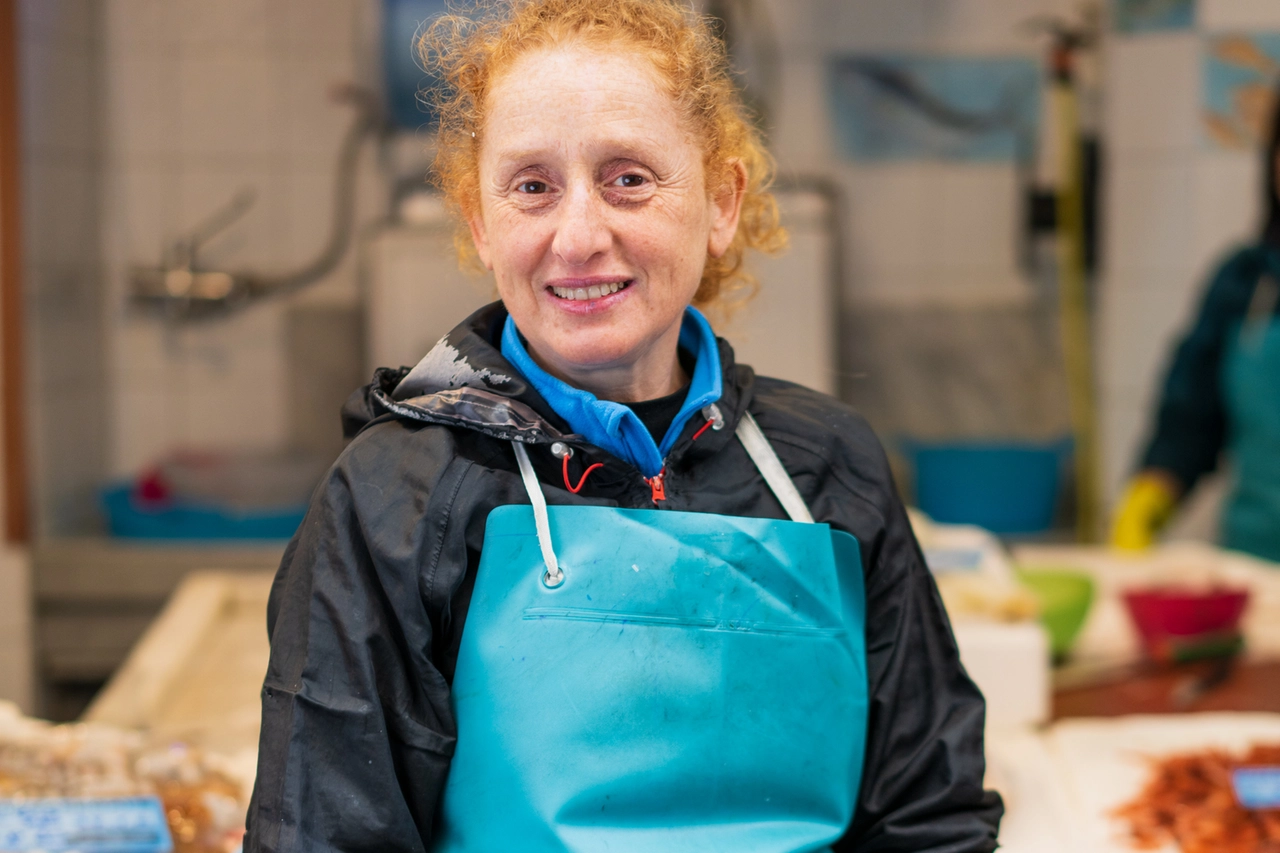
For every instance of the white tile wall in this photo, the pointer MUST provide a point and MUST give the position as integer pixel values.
(142, 87)
(62, 129)
(891, 217)
(1228, 189)
(227, 107)
(314, 124)
(226, 28)
(142, 27)
(141, 196)
(1133, 359)
(950, 228)
(145, 413)
(1239, 14)
(1152, 94)
(206, 99)
(1152, 196)
(876, 25)
(977, 209)
(801, 125)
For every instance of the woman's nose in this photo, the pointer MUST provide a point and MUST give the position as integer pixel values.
(581, 233)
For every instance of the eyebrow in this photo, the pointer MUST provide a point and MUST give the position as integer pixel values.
(517, 159)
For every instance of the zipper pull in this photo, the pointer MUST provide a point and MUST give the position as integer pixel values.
(659, 488)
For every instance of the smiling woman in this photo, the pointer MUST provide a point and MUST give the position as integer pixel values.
(597, 240)
(580, 582)
(684, 59)
(654, 187)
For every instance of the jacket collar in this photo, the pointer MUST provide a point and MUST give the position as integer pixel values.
(465, 381)
(614, 426)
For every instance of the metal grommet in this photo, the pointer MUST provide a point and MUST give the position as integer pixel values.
(560, 450)
(551, 581)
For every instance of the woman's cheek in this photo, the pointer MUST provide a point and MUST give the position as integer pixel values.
(517, 241)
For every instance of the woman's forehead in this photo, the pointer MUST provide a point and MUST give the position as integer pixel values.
(578, 91)
(577, 78)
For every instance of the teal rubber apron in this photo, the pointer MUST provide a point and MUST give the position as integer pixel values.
(644, 680)
(1251, 383)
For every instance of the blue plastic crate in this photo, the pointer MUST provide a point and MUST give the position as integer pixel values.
(1004, 486)
(130, 518)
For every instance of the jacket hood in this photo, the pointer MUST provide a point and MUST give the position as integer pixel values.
(465, 381)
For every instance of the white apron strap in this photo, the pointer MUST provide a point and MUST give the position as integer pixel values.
(554, 577)
(761, 453)
(752, 438)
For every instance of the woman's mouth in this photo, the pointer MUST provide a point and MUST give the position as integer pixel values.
(594, 291)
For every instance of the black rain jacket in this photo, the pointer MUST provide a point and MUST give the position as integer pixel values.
(369, 604)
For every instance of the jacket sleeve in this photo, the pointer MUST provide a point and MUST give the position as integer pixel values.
(1191, 422)
(356, 728)
(924, 766)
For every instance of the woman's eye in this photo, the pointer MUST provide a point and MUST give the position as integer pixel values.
(532, 187)
(630, 181)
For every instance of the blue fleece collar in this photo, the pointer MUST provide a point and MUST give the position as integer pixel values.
(613, 426)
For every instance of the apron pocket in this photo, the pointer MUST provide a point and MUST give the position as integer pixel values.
(582, 614)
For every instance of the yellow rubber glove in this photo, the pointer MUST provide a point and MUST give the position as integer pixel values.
(1146, 505)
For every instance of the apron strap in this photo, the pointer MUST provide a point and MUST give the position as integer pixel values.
(761, 453)
(752, 438)
(553, 577)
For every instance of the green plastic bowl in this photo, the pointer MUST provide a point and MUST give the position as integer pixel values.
(1064, 597)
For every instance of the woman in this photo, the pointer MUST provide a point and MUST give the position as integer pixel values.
(562, 591)
(1223, 392)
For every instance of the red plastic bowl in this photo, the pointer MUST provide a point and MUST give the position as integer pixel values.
(1174, 622)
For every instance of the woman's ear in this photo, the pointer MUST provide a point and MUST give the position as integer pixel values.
(726, 208)
(476, 224)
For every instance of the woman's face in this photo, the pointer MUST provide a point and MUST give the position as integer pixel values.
(594, 211)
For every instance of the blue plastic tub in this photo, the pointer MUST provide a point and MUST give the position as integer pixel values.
(1006, 487)
(130, 518)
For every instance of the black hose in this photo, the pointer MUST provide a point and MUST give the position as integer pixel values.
(368, 119)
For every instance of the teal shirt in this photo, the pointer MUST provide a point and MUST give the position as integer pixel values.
(1191, 426)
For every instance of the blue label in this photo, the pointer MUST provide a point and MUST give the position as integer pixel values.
(133, 825)
(1257, 787)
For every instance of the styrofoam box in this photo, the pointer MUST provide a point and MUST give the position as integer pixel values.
(1010, 664)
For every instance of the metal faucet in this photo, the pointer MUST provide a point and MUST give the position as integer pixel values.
(185, 291)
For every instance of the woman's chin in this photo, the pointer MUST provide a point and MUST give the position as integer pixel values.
(586, 352)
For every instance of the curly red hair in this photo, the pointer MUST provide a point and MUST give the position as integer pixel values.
(469, 51)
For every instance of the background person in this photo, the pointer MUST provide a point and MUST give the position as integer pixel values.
(1222, 393)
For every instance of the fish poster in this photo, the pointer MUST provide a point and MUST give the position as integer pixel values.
(904, 107)
(1148, 16)
(1240, 73)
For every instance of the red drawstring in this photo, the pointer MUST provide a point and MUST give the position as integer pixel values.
(656, 483)
(699, 433)
(585, 474)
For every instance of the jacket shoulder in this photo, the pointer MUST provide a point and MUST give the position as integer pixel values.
(393, 458)
(827, 428)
